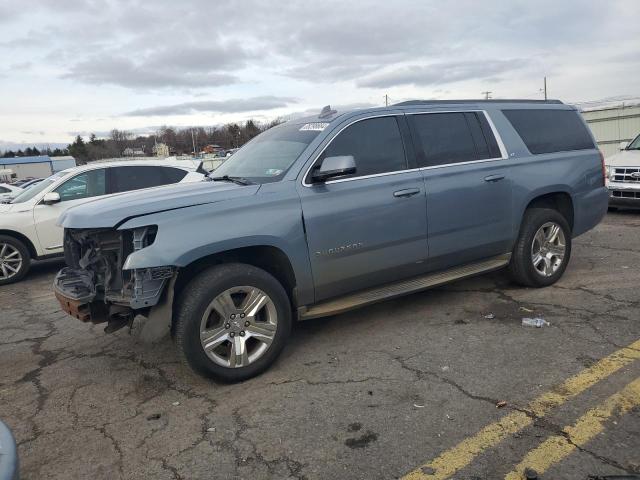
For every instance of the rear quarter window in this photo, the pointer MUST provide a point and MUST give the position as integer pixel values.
(127, 178)
(548, 131)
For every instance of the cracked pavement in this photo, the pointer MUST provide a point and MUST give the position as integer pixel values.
(369, 394)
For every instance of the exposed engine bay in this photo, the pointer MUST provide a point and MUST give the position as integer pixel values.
(95, 287)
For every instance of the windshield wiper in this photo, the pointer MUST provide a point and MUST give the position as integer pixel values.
(227, 178)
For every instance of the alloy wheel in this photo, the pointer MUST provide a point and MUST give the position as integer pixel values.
(548, 249)
(10, 261)
(238, 326)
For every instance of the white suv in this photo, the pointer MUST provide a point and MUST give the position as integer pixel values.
(623, 176)
(8, 191)
(28, 227)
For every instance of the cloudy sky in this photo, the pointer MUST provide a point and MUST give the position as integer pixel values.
(73, 66)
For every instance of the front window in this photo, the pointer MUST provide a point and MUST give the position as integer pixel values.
(85, 185)
(32, 192)
(375, 144)
(268, 156)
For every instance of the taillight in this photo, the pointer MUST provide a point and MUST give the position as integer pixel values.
(604, 169)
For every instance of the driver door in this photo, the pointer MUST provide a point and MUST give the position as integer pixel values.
(77, 190)
(370, 227)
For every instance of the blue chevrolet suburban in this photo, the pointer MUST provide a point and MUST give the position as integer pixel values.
(328, 213)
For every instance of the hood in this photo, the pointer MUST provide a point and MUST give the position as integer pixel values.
(626, 158)
(113, 210)
(5, 207)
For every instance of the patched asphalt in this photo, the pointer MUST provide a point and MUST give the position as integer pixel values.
(370, 394)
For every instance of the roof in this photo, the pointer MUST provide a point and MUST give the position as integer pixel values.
(169, 162)
(332, 115)
(19, 160)
(493, 100)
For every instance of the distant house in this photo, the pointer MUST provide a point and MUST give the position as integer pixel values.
(213, 148)
(161, 150)
(133, 152)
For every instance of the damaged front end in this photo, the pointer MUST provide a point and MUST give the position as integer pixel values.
(95, 287)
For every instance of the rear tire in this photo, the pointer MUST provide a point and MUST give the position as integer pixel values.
(15, 260)
(232, 322)
(542, 250)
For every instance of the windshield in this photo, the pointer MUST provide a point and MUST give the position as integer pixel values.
(635, 145)
(268, 156)
(31, 192)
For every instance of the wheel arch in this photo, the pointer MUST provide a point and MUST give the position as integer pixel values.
(22, 238)
(266, 257)
(559, 200)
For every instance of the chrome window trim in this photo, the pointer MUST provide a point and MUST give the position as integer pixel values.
(373, 175)
(494, 130)
(484, 160)
(496, 134)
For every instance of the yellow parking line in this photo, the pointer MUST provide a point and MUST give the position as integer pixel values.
(461, 455)
(557, 447)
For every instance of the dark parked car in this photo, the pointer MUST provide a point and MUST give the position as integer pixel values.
(328, 213)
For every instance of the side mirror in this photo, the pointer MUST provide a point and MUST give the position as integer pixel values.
(51, 198)
(332, 167)
(623, 145)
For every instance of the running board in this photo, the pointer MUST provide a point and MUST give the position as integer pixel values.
(386, 292)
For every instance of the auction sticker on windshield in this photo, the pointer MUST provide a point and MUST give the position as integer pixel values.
(316, 126)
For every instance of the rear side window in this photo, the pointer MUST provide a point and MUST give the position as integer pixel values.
(376, 146)
(456, 137)
(124, 179)
(173, 175)
(547, 131)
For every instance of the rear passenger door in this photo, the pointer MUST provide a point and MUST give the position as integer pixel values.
(135, 177)
(468, 187)
(368, 228)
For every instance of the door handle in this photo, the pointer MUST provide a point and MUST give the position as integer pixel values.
(406, 193)
(494, 178)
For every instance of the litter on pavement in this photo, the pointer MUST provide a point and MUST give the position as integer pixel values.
(534, 322)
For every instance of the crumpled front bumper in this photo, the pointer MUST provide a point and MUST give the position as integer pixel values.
(76, 293)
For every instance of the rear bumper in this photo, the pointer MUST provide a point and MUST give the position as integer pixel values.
(590, 209)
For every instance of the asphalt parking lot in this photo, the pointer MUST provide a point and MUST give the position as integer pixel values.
(409, 387)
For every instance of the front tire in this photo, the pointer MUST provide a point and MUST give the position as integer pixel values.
(15, 260)
(232, 322)
(542, 250)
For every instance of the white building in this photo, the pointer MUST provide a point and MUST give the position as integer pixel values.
(161, 150)
(40, 166)
(613, 124)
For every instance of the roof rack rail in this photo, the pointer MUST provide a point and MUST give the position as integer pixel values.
(493, 100)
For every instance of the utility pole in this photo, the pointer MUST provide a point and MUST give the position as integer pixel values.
(487, 94)
(193, 141)
(545, 88)
(386, 100)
